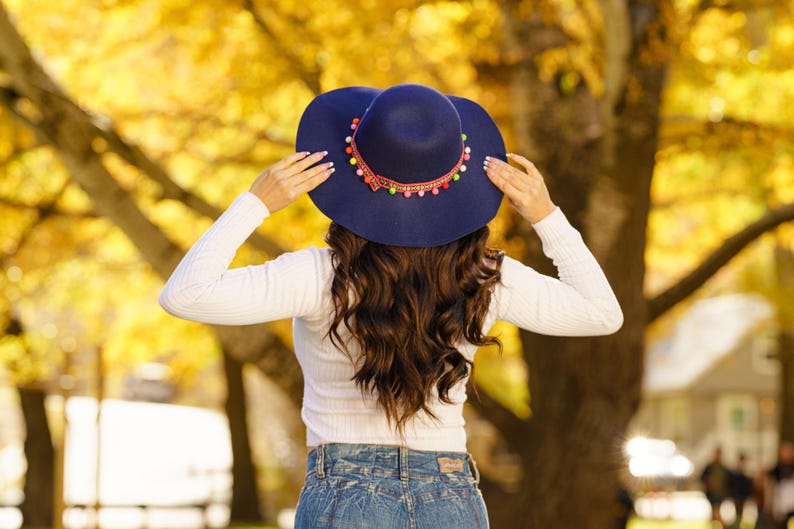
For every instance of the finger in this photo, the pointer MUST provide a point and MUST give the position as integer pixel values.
(505, 185)
(304, 163)
(289, 160)
(509, 179)
(514, 173)
(311, 173)
(317, 178)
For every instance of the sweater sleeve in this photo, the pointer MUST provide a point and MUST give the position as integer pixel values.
(203, 288)
(578, 303)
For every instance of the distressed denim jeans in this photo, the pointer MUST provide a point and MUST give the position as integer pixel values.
(358, 486)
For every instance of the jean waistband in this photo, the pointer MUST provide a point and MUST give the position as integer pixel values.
(391, 461)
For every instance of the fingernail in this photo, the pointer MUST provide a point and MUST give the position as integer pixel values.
(325, 153)
(510, 155)
(332, 170)
(487, 158)
(330, 164)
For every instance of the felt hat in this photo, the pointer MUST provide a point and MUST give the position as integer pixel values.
(408, 160)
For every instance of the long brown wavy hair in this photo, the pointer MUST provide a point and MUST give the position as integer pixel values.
(408, 308)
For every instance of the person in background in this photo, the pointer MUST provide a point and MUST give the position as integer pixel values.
(781, 486)
(622, 507)
(741, 487)
(716, 479)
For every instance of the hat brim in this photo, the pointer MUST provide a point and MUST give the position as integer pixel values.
(467, 205)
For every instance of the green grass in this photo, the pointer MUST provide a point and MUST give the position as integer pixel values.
(665, 524)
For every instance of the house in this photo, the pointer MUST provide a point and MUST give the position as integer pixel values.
(713, 381)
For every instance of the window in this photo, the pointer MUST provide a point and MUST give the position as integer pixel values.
(736, 413)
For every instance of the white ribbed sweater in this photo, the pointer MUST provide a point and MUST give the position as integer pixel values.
(297, 285)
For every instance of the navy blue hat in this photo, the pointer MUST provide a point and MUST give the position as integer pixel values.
(408, 163)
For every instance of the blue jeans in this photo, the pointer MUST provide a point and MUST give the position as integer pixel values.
(358, 486)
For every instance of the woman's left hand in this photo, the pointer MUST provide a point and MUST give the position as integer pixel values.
(525, 189)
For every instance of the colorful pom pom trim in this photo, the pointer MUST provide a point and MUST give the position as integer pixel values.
(394, 187)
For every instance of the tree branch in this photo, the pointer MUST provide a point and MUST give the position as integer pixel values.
(718, 258)
(310, 78)
(43, 212)
(135, 156)
(46, 209)
(677, 130)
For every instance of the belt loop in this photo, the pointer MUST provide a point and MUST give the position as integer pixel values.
(474, 470)
(320, 464)
(403, 463)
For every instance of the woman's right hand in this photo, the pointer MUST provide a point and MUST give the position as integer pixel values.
(282, 183)
(525, 189)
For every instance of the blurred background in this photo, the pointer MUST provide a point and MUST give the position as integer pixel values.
(664, 129)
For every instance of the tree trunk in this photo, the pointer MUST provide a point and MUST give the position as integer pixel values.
(786, 356)
(784, 268)
(598, 158)
(245, 494)
(37, 507)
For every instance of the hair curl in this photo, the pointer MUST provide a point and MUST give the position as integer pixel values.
(408, 309)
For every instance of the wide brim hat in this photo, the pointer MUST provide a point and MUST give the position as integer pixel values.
(409, 163)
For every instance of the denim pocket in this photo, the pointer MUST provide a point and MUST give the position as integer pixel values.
(336, 502)
(444, 504)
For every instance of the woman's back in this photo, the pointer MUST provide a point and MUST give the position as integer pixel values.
(387, 320)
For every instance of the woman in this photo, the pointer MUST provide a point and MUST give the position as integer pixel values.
(387, 319)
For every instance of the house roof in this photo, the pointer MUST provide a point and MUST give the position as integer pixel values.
(709, 331)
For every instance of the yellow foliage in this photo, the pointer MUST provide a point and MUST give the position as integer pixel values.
(504, 377)
(727, 148)
(212, 91)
